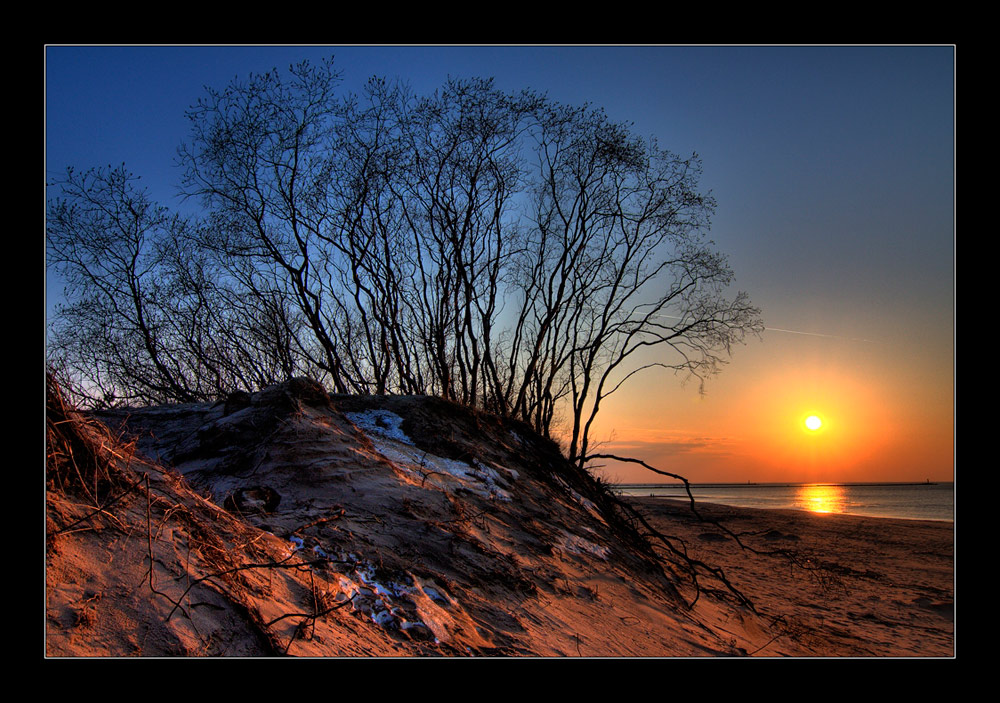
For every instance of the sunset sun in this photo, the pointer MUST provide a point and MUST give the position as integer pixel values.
(813, 422)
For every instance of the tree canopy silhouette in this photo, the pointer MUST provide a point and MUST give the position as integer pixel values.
(497, 249)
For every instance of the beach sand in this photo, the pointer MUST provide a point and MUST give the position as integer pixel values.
(840, 585)
(288, 524)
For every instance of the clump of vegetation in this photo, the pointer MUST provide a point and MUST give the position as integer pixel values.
(82, 458)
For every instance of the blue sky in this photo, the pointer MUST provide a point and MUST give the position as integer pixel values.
(833, 168)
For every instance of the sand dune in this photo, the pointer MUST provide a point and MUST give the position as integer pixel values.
(291, 523)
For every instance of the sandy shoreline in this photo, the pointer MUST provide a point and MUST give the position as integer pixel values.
(864, 586)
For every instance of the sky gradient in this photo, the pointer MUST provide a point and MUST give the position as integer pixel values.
(834, 173)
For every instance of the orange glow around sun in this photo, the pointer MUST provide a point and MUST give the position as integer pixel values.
(817, 425)
(758, 428)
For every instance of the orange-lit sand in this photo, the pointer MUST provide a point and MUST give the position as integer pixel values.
(870, 586)
(451, 534)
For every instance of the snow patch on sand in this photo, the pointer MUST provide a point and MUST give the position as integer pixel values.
(579, 545)
(393, 603)
(382, 427)
(585, 503)
(381, 423)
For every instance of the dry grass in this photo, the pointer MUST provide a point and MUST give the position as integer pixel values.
(83, 459)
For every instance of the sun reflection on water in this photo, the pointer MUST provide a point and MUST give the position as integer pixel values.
(821, 499)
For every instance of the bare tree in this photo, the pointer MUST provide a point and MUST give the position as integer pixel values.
(457, 189)
(260, 158)
(496, 249)
(102, 235)
(617, 274)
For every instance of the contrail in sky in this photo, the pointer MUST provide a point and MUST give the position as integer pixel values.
(809, 334)
(818, 334)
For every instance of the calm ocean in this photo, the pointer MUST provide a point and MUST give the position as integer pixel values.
(912, 501)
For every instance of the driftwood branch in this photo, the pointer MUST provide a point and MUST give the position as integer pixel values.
(794, 558)
(693, 564)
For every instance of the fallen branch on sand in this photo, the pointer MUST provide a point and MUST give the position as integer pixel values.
(693, 565)
(796, 559)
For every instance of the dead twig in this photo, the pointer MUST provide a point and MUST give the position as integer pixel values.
(823, 576)
(102, 508)
(307, 618)
(149, 547)
(339, 514)
(244, 567)
(693, 565)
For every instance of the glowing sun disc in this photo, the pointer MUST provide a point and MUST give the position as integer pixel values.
(813, 422)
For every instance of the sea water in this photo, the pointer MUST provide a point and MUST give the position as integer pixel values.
(911, 501)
